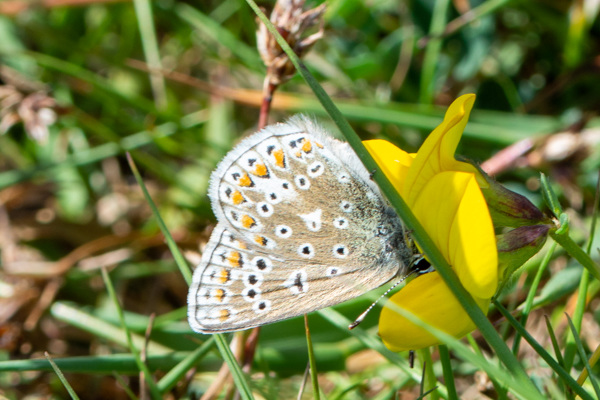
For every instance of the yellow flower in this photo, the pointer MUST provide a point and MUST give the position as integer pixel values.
(445, 196)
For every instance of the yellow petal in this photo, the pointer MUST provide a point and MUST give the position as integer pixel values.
(393, 161)
(437, 152)
(473, 240)
(429, 298)
(454, 214)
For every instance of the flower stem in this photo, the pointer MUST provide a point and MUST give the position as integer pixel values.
(576, 252)
(447, 371)
(314, 378)
(265, 106)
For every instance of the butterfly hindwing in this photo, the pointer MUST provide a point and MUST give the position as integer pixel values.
(301, 227)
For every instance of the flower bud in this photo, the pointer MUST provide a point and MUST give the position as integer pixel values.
(519, 245)
(509, 209)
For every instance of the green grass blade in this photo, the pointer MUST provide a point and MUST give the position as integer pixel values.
(90, 156)
(236, 372)
(555, 345)
(314, 375)
(369, 340)
(592, 361)
(432, 51)
(62, 378)
(176, 373)
(154, 392)
(145, 18)
(428, 381)
(447, 372)
(475, 13)
(219, 34)
(123, 363)
(576, 252)
(124, 386)
(99, 328)
(531, 294)
(495, 128)
(576, 35)
(572, 384)
(515, 383)
(595, 215)
(580, 306)
(179, 259)
(501, 390)
(100, 84)
(583, 356)
(550, 197)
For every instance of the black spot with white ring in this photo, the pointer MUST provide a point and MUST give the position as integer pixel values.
(341, 223)
(262, 264)
(253, 279)
(315, 169)
(343, 177)
(261, 306)
(283, 231)
(297, 282)
(251, 294)
(273, 198)
(346, 206)
(302, 182)
(264, 209)
(306, 250)
(340, 251)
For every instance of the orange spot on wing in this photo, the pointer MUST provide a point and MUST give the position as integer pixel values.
(224, 315)
(225, 276)
(248, 222)
(279, 158)
(319, 145)
(298, 154)
(261, 240)
(306, 146)
(220, 295)
(245, 181)
(261, 170)
(237, 198)
(234, 258)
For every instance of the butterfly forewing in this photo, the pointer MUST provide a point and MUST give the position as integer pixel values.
(301, 227)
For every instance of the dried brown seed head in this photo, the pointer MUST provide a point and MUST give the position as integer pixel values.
(291, 22)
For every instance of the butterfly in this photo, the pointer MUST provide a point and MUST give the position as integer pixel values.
(301, 226)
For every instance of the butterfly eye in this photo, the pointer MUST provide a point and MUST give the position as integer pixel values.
(422, 266)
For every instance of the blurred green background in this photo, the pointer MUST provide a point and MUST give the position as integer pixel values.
(76, 93)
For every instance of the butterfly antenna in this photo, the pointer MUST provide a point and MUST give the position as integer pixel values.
(362, 316)
(417, 269)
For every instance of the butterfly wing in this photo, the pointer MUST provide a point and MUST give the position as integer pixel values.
(301, 227)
